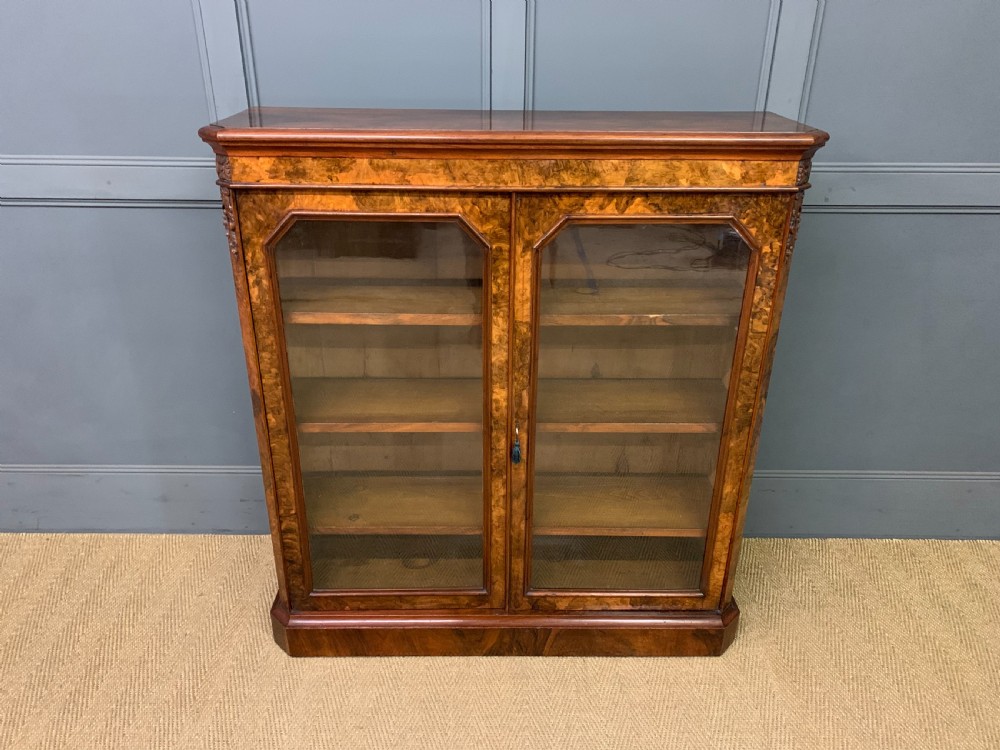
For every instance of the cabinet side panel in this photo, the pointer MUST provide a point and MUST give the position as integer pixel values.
(270, 402)
(766, 220)
(231, 224)
(783, 258)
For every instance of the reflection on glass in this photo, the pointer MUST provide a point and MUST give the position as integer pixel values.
(638, 325)
(383, 325)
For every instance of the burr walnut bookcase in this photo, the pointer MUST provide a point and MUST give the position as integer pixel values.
(508, 369)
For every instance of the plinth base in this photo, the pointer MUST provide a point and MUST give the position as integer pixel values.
(678, 633)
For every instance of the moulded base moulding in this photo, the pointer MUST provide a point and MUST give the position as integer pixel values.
(679, 633)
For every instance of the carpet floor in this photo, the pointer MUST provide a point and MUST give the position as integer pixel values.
(149, 641)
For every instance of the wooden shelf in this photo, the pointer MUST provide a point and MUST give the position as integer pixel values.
(628, 405)
(454, 562)
(397, 504)
(381, 574)
(594, 563)
(615, 575)
(321, 302)
(564, 505)
(396, 562)
(455, 405)
(388, 404)
(613, 505)
(638, 305)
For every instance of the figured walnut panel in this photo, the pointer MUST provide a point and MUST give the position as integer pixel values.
(514, 174)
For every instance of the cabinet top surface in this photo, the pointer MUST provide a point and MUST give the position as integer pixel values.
(276, 126)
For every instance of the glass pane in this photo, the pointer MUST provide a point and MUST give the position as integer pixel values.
(638, 326)
(383, 326)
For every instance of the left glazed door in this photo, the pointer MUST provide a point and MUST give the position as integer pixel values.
(385, 321)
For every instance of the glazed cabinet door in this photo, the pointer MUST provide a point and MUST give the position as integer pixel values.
(382, 325)
(634, 392)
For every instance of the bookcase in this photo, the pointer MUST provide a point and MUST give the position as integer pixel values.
(508, 369)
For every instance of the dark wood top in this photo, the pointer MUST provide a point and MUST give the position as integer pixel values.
(278, 127)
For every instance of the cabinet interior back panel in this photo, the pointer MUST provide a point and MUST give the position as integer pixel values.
(648, 54)
(378, 53)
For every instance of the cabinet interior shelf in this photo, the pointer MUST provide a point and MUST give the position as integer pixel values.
(332, 302)
(388, 404)
(396, 504)
(640, 305)
(396, 562)
(615, 564)
(564, 504)
(348, 563)
(328, 302)
(455, 405)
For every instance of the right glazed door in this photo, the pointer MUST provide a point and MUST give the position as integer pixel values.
(628, 328)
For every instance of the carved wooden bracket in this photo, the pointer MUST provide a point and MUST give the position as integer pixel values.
(223, 167)
(805, 167)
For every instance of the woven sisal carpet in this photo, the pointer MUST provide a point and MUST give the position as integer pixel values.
(135, 641)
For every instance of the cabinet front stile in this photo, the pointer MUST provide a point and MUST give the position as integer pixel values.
(381, 322)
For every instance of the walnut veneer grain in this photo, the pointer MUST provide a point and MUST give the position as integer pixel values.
(511, 182)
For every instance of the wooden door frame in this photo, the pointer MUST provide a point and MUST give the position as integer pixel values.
(762, 220)
(263, 217)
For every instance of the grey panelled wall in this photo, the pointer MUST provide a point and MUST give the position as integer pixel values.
(322, 54)
(123, 399)
(921, 79)
(84, 79)
(647, 54)
(126, 341)
(883, 413)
